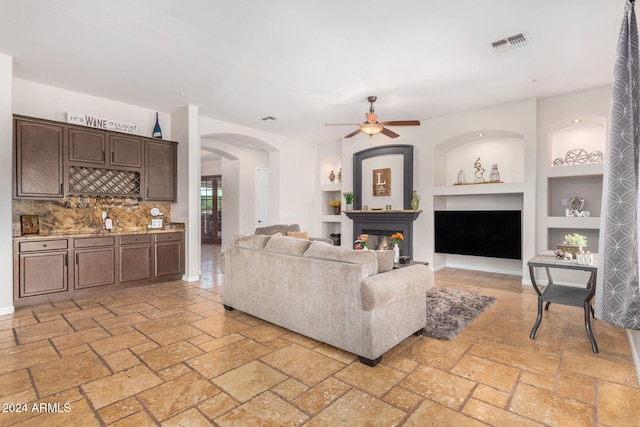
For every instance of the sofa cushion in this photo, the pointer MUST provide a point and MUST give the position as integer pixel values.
(287, 245)
(304, 235)
(322, 250)
(385, 260)
(251, 241)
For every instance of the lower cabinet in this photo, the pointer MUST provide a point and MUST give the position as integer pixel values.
(168, 254)
(42, 268)
(54, 269)
(135, 258)
(94, 260)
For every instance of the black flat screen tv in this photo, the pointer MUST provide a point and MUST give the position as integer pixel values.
(495, 234)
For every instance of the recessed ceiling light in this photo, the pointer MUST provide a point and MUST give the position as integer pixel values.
(481, 134)
(181, 94)
(576, 120)
(268, 118)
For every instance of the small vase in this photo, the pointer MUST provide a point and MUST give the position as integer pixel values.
(336, 210)
(415, 201)
(396, 253)
(332, 177)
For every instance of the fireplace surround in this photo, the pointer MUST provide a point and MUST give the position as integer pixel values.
(386, 223)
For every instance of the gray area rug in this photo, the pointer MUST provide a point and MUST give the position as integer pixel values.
(449, 311)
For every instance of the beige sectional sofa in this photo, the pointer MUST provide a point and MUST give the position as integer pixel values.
(329, 293)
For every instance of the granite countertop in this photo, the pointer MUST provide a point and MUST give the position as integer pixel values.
(100, 233)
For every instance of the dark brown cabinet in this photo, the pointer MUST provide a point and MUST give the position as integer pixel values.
(135, 258)
(168, 254)
(87, 146)
(55, 160)
(49, 269)
(160, 171)
(94, 262)
(42, 268)
(39, 161)
(125, 151)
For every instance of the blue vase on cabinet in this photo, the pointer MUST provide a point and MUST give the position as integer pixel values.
(157, 132)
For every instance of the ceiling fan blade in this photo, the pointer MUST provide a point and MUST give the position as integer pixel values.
(355, 132)
(401, 123)
(389, 133)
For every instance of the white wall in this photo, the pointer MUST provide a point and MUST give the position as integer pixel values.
(6, 170)
(210, 167)
(293, 166)
(48, 102)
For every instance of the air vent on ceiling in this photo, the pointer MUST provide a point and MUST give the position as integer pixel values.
(268, 118)
(513, 41)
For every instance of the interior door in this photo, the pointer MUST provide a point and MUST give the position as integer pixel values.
(211, 209)
(262, 197)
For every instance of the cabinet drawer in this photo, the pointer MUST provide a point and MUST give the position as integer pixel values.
(43, 245)
(168, 237)
(94, 241)
(131, 240)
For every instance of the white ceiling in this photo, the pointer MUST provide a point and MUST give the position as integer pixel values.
(308, 63)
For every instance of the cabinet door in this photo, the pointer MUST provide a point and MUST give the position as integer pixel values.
(160, 171)
(168, 259)
(38, 159)
(125, 151)
(87, 146)
(43, 273)
(94, 267)
(135, 262)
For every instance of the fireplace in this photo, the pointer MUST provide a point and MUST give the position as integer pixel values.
(380, 225)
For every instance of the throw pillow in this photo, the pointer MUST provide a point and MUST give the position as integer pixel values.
(287, 245)
(304, 235)
(385, 261)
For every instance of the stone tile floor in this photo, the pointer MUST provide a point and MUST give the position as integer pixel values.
(170, 355)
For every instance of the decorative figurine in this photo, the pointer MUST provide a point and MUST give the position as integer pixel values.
(479, 170)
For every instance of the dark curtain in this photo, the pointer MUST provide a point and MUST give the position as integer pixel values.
(618, 291)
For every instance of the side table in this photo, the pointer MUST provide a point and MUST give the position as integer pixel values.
(565, 295)
(398, 265)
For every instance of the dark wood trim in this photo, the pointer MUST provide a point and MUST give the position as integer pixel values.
(405, 150)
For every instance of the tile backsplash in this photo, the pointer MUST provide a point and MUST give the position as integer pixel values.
(84, 215)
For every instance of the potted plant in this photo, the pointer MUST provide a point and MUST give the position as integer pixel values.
(395, 239)
(348, 198)
(573, 243)
(361, 242)
(335, 204)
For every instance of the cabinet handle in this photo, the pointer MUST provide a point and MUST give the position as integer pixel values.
(112, 157)
(61, 188)
(103, 155)
(77, 259)
(44, 245)
(66, 260)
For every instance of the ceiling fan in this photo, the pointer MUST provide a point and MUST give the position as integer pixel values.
(371, 126)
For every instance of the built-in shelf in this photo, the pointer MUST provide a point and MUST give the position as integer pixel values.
(330, 218)
(460, 190)
(592, 222)
(331, 187)
(575, 170)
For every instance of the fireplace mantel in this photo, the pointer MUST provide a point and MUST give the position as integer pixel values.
(383, 215)
(383, 220)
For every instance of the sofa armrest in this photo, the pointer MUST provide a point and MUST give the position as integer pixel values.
(395, 285)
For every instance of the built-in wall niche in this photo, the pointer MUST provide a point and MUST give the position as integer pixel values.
(562, 189)
(503, 148)
(575, 133)
(556, 237)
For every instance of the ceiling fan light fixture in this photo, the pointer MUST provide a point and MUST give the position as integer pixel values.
(371, 128)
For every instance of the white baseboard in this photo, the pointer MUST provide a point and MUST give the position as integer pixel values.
(186, 278)
(7, 310)
(634, 343)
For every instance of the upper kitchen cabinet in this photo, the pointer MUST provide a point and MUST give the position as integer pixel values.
(39, 159)
(125, 151)
(160, 171)
(101, 148)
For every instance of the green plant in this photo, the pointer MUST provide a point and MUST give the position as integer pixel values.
(348, 197)
(576, 239)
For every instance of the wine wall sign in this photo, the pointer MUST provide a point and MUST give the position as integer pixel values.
(101, 123)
